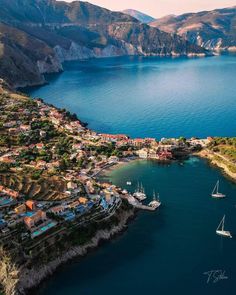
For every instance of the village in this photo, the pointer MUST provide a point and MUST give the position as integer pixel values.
(49, 161)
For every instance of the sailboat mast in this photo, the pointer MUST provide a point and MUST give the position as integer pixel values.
(223, 223)
(217, 187)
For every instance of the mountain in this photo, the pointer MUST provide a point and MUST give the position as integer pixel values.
(213, 30)
(37, 36)
(23, 58)
(142, 17)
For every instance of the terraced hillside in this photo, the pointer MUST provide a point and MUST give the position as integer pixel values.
(50, 189)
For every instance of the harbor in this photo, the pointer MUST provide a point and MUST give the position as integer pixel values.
(186, 222)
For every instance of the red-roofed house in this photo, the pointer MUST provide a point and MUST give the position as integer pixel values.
(30, 221)
(31, 204)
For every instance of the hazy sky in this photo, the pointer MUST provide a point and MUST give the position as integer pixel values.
(159, 8)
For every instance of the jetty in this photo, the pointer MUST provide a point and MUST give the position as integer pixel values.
(136, 204)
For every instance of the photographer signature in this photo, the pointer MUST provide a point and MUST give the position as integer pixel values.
(215, 276)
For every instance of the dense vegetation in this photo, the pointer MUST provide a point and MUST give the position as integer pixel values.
(225, 146)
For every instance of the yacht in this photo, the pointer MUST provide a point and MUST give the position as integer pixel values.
(140, 193)
(155, 203)
(221, 231)
(215, 193)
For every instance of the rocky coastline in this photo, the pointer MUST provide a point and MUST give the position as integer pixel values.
(30, 278)
(212, 158)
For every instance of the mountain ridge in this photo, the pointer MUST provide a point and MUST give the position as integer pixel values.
(142, 17)
(71, 31)
(213, 30)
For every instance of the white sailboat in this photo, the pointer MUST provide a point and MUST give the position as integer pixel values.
(221, 231)
(215, 193)
(140, 193)
(155, 203)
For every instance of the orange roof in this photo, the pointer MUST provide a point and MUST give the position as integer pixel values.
(30, 204)
(83, 200)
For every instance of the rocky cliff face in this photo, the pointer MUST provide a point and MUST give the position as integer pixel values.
(18, 280)
(213, 30)
(36, 36)
(23, 58)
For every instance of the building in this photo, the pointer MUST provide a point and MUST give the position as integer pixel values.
(83, 200)
(74, 204)
(165, 155)
(9, 192)
(152, 154)
(31, 205)
(143, 153)
(71, 185)
(57, 210)
(113, 138)
(25, 128)
(32, 220)
(20, 209)
(113, 159)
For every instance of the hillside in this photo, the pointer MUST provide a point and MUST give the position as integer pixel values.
(213, 30)
(24, 58)
(51, 32)
(142, 17)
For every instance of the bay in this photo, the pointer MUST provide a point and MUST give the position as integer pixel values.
(165, 252)
(149, 97)
(173, 249)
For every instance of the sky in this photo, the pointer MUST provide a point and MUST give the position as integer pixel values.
(158, 8)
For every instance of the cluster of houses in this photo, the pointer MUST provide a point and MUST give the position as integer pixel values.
(40, 217)
(58, 118)
(16, 127)
(8, 197)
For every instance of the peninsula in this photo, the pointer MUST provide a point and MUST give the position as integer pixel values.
(52, 207)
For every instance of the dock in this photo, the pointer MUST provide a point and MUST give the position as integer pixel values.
(135, 203)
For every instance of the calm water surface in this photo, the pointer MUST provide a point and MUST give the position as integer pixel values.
(157, 97)
(164, 252)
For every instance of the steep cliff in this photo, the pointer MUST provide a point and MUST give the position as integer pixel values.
(38, 35)
(23, 58)
(213, 30)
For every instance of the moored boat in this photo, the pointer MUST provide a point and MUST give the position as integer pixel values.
(215, 193)
(221, 231)
(155, 203)
(140, 193)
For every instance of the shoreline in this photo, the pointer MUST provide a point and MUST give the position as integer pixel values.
(44, 81)
(30, 279)
(205, 154)
(122, 162)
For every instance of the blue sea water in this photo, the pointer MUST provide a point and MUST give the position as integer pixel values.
(155, 97)
(166, 252)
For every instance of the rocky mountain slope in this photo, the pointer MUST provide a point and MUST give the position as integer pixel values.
(24, 58)
(142, 17)
(36, 36)
(214, 30)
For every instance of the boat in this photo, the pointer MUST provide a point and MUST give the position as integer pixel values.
(129, 183)
(155, 203)
(140, 193)
(221, 231)
(215, 193)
